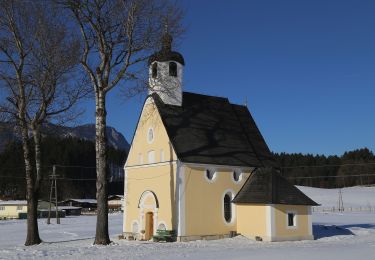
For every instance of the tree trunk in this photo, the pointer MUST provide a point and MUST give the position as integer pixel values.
(101, 236)
(32, 237)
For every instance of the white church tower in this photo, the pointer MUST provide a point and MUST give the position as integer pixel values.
(165, 73)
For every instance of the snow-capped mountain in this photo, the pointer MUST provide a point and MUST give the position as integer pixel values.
(87, 132)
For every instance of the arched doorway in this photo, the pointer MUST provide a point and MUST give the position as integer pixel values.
(148, 213)
(149, 225)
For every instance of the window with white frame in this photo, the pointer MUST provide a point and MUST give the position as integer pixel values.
(135, 227)
(292, 219)
(2, 208)
(151, 156)
(162, 226)
(227, 207)
(19, 207)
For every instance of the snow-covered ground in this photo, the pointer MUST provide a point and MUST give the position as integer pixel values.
(347, 235)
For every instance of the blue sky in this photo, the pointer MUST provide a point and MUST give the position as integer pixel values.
(307, 69)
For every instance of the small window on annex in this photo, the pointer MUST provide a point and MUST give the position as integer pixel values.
(2, 208)
(173, 69)
(154, 70)
(210, 174)
(227, 208)
(237, 175)
(291, 219)
(19, 207)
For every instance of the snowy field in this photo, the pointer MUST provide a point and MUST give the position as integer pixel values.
(346, 235)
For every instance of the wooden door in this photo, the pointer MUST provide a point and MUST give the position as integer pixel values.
(149, 229)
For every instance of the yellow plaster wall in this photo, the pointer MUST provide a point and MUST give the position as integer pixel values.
(252, 220)
(281, 224)
(10, 211)
(158, 177)
(204, 201)
(150, 118)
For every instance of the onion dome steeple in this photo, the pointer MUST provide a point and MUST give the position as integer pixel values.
(165, 73)
(166, 53)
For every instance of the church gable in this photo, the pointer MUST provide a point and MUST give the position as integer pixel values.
(150, 143)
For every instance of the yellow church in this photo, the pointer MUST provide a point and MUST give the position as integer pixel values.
(199, 165)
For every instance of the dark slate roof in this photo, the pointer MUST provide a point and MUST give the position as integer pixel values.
(211, 130)
(166, 56)
(266, 186)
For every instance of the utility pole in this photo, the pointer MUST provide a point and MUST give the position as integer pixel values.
(53, 196)
(341, 202)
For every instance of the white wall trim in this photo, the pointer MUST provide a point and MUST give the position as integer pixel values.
(309, 221)
(124, 205)
(217, 166)
(233, 207)
(270, 221)
(295, 219)
(180, 199)
(150, 165)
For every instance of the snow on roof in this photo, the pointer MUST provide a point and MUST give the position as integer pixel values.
(111, 197)
(68, 207)
(82, 200)
(13, 202)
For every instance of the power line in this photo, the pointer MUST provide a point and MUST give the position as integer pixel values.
(321, 177)
(327, 165)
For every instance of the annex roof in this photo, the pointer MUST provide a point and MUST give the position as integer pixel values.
(266, 186)
(211, 130)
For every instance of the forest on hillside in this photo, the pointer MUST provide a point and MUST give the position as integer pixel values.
(75, 166)
(350, 169)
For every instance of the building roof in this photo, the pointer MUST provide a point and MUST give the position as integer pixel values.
(266, 186)
(13, 202)
(211, 130)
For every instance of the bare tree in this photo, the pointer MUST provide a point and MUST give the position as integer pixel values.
(39, 57)
(117, 36)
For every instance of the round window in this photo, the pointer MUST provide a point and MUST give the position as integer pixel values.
(150, 135)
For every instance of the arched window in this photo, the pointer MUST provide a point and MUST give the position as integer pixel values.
(162, 226)
(227, 208)
(173, 69)
(151, 156)
(135, 227)
(155, 70)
